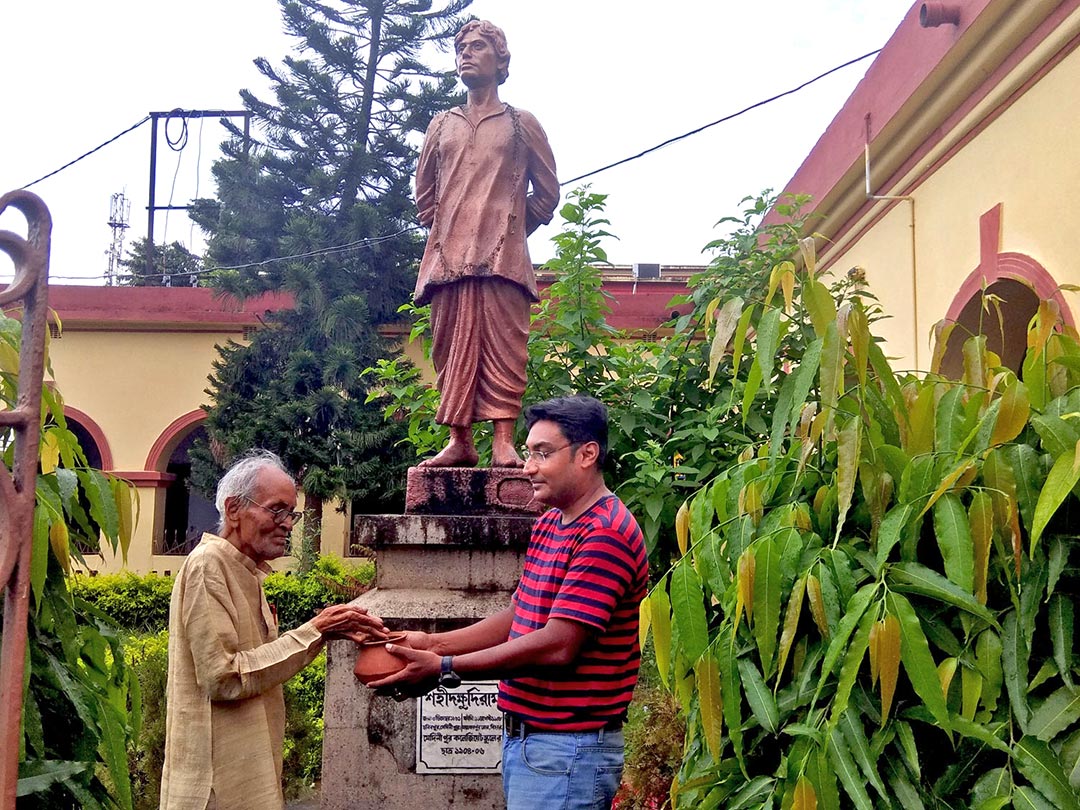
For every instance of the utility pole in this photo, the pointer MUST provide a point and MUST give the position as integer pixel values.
(119, 214)
(152, 207)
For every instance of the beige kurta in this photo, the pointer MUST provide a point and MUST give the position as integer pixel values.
(225, 719)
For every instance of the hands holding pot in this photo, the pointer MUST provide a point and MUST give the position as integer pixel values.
(349, 621)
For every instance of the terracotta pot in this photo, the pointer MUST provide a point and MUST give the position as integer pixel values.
(374, 662)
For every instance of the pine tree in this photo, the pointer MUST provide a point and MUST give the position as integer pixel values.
(322, 208)
(173, 265)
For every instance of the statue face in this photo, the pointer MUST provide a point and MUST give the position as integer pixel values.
(477, 62)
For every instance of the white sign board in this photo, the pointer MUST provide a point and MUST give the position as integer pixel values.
(459, 730)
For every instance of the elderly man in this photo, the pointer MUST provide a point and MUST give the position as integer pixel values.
(567, 645)
(225, 720)
(484, 182)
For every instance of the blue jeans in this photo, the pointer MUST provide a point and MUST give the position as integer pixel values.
(565, 771)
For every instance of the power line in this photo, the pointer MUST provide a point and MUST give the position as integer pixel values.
(754, 106)
(87, 154)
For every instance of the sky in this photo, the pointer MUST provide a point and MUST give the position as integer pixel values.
(606, 78)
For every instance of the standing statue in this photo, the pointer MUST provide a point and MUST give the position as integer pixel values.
(485, 181)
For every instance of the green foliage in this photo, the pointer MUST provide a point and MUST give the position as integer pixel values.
(873, 605)
(173, 265)
(298, 596)
(322, 209)
(136, 602)
(302, 764)
(148, 657)
(81, 708)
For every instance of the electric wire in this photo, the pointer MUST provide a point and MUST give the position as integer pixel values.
(87, 154)
(743, 111)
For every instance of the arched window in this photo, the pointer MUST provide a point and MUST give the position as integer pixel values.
(187, 512)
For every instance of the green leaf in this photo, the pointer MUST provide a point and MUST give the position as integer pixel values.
(1070, 758)
(750, 795)
(906, 737)
(761, 700)
(912, 577)
(953, 532)
(988, 659)
(949, 429)
(1061, 634)
(856, 607)
(1058, 559)
(113, 750)
(1027, 798)
(852, 728)
(918, 663)
(852, 663)
(849, 774)
(892, 527)
(769, 333)
(831, 373)
(39, 775)
(1055, 714)
(1037, 762)
(740, 338)
(1023, 460)
(1014, 665)
(766, 600)
(996, 783)
(1059, 483)
(688, 607)
(730, 690)
(102, 505)
(39, 552)
(980, 732)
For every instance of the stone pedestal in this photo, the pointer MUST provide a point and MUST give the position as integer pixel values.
(454, 557)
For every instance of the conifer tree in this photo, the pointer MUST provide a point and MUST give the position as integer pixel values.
(320, 206)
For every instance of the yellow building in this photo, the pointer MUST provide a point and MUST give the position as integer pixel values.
(953, 165)
(132, 365)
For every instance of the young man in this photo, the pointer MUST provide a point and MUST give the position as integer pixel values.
(485, 181)
(567, 646)
(225, 719)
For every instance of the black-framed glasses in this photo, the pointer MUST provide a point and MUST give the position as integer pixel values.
(540, 456)
(279, 515)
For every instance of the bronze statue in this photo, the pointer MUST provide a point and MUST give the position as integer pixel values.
(485, 181)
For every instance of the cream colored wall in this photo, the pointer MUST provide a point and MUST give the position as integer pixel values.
(134, 385)
(1026, 159)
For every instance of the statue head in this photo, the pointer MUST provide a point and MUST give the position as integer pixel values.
(495, 36)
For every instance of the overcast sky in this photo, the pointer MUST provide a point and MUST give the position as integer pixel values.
(605, 78)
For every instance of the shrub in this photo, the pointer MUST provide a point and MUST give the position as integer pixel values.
(148, 657)
(138, 603)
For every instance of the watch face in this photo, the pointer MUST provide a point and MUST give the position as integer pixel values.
(451, 680)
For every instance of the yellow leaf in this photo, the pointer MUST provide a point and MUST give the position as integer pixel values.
(787, 284)
(805, 798)
(940, 335)
(50, 452)
(58, 539)
(817, 604)
(674, 793)
(644, 621)
(661, 627)
(9, 357)
(947, 484)
(975, 361)
(791, 624)
(1043, 326)
(920, 437)
(1012, 415)
(859, 333)
(744, 587)
(971, 681)
(712, 716)
(945, 671)
(122, 498)
(774, 282)
(726, 321)
(750, 501)
(682, 527)
(809, 254)
(888, 662)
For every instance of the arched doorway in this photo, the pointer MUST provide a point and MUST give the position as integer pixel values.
(91, 438)
(186, 512)
(1007, 338)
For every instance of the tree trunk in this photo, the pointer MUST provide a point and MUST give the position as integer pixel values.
(311, 542)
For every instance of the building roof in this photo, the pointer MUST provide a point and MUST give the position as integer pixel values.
(637, 305)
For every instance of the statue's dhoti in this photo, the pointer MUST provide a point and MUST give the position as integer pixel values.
(480, 332)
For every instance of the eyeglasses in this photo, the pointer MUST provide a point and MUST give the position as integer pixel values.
(279, 515)
(540, 456)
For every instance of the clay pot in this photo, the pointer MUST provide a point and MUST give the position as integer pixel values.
(374, 662)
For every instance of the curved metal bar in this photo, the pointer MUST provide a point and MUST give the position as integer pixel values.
(31, 257)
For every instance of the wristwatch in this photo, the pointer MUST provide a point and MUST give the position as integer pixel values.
(447, 677)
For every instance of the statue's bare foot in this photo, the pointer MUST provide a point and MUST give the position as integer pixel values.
(455, 454)
(504, 455)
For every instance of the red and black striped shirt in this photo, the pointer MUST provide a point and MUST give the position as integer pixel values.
(593, 571)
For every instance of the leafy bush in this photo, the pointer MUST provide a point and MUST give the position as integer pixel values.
(148, 657)
(879, 524)
(136, 602)
(304, 727)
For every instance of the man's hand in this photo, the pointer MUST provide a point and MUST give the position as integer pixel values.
(420, 666)
(349, 621)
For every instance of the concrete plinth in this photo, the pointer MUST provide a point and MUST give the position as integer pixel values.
(453, 558)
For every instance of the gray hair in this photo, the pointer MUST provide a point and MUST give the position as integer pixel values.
(239, 480)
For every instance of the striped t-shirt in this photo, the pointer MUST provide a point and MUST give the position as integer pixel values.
(593, 571)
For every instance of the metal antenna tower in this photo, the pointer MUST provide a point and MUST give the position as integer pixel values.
(119, 213)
